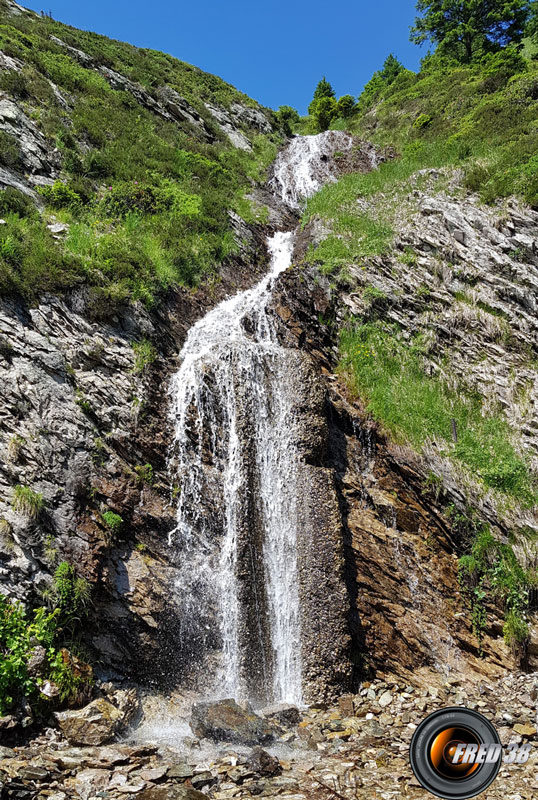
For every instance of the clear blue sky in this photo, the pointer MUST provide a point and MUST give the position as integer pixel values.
(275, 51)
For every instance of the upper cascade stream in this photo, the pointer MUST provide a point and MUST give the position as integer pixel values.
(235, 460)
(306, 164)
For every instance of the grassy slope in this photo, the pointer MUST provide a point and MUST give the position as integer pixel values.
(147, 199)
(483, 119)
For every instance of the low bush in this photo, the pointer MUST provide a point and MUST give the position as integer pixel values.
(13, 201)
(112, 521)
(60, 195)
(491, 571)
(58, 676)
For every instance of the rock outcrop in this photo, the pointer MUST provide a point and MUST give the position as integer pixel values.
(407, 614)
(80, 423)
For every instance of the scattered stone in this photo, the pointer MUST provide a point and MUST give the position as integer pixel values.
(94, 724)
(57, 228)
(525, 730)
(263, 763)
(180, 772)
(171, 792)
(154, 774)
(385, 699)
(34, 774)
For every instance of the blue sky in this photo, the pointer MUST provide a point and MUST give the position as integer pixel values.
(274, 51)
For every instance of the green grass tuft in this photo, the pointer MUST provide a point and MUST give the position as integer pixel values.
(27, 502)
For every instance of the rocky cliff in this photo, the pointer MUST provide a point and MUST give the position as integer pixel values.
(402, 536)
(85, 369)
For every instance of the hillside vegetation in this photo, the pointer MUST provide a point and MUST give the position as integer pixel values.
(139, 168)
(474, 127)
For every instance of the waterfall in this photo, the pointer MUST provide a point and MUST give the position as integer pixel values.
(236, 467)
(232, 408)
(306, 164)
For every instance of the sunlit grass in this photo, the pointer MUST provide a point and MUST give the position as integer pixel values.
(389, 375)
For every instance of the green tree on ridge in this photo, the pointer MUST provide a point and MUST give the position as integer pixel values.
(466, 28)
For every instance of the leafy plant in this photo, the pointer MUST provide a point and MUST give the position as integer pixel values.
(18, 638)
(70, 593)
(21, 631)
(112, 521)
(422, 121)
(145, 473)
(13, 201)
(60, 195)
(490, 570)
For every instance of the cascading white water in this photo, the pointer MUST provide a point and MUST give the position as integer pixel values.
(232, 408)
(306, 164)
(237, 467)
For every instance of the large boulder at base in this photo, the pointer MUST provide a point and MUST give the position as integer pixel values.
(171, 792)
(94, 724)
(225, 721)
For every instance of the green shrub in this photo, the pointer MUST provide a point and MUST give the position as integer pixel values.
(21, 631)
(515, 631)
(490, 570)
(14, 82)
(112, 521)
(145, 473)
(71, 594)
(145, 354)
(65, 72)
(18, 638)
(60, 195)
(150, 199)
(422, 121)
(27, 502)
(13, 201)
(287, 117)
